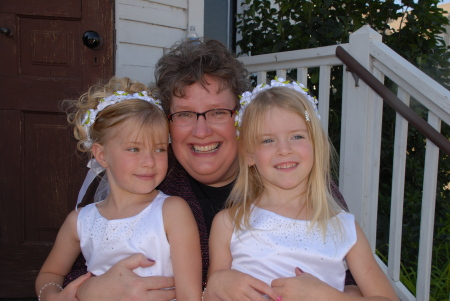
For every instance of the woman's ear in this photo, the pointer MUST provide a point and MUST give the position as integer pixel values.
(99, 154)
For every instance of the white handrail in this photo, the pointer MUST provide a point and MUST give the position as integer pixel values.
(420, 86)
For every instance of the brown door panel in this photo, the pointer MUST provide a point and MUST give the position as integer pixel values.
(25, 95)
(47, 8)
(50, 48)
(42, 62)
(48, 197)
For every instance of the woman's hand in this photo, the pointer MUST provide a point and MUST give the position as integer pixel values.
(70, 291)
(305, 287)
(232, 285)
(121, 283)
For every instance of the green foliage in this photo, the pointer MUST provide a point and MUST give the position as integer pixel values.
(300, 24)
(418, 39)
(440, 284)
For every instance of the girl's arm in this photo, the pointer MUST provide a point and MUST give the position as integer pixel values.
(368, 275)
(223, 282)
(219, 243)
(58, 263)
(182, 234)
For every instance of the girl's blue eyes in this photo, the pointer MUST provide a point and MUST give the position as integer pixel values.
(135, 150)
(296, 137)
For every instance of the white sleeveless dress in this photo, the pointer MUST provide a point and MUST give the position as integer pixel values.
(277, 245)
(105, 242)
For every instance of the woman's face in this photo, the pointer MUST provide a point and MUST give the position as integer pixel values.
(207, 151)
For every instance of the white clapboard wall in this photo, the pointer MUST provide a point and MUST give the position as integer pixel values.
(144, 29)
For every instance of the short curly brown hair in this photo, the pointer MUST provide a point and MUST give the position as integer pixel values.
(188, 63)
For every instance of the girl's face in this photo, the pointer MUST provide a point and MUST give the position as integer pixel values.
(207, 151)
(134, 163)
(285, 155)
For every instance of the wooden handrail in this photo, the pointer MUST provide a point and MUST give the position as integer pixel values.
(392, 100)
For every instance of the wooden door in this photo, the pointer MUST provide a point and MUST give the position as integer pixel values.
(42, 61)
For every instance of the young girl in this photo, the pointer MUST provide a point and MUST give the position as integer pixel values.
(281, 220)
(127, 133)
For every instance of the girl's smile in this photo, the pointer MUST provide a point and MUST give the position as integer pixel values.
(286, 165)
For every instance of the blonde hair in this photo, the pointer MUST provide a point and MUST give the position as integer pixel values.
(249, 187)
(137, 112)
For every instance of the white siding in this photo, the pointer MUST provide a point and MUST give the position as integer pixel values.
(145, 28)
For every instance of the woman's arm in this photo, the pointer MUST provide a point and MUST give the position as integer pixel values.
(58, 263)
(223, 282)
(182, 234)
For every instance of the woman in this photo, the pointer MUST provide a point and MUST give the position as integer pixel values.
(193, 80)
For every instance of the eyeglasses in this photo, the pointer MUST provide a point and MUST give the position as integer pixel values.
(215, 116)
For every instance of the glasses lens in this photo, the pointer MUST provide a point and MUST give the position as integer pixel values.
(218, 116)
(184, 118)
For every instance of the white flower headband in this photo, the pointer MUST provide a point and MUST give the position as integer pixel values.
(118, 96)
(247, 97)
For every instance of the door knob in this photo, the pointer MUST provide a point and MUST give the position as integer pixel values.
(6, 31)
(92, 39)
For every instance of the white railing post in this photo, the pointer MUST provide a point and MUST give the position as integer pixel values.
(398, 190)
(428, 214)
(361, 138)
(324, 95)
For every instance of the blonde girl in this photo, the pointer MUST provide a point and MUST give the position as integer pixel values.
(126, 132)
(281, 219)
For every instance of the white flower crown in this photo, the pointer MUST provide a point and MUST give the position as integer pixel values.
(118, 96)
(247, 97)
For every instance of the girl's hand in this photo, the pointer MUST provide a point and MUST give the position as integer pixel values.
(232, 285)
(304, 287)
